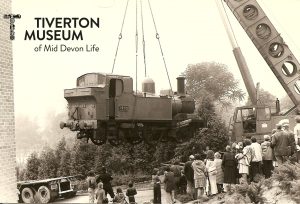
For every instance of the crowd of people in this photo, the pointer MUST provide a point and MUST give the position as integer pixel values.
(99, 186)
(211, 173)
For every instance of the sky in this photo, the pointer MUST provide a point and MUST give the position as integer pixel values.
(191, 31)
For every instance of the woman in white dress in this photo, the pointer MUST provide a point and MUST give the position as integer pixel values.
(244, 160)
(212, 172)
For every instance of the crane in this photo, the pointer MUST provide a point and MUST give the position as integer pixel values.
(257, 119)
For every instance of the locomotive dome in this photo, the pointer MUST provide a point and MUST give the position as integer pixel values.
(148, 86)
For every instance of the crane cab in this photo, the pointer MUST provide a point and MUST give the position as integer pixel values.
(251, 121)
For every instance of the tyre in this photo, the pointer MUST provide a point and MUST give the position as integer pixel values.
(44, 194)
(27, 195)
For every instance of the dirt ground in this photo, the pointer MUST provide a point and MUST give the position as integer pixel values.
(143, 195)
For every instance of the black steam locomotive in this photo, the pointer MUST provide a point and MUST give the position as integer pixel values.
(104, 107)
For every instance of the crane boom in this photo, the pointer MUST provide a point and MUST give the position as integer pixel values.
(239, 57)
(270, 44)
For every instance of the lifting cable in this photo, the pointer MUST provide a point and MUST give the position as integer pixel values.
(136, 46)
(158, 39)
(228, 20)
(143, 33)
(120, 37)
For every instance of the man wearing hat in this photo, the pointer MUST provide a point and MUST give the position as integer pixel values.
(292, 147)
(281, 143)
(189, 174)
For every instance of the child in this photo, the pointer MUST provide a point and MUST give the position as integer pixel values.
(100, 194)
(120, 197)
(131, 192)
(156, 190)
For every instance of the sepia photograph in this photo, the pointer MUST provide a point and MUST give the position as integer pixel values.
(149, 101)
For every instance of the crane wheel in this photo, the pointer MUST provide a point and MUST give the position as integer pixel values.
(44, 194)
(27, 195)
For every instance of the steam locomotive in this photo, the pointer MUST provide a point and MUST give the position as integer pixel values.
(104, 107)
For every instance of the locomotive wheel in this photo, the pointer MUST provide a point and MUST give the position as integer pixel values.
(116, 139)
(98, 141)
(27, 195)
(98, 136)
(149, 137)
(164, 137)
(44, 194)
(134, 136)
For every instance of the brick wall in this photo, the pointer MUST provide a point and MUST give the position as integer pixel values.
(7, 124)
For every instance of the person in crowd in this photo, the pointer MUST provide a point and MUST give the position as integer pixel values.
(199, 176)
(229, 165)
(239, 149)
(100, 194)
(182, 183)
(91, 183)
(275, 163)
(156, 187)
(220, 174)
(169, 182)
(156, 190)
(286, 128)
(106, 178)
(281, 142)
(297, 137)
(256, 161)
(211, 172)
(119, 197)
(189, 175)
(131, 192)
(244, 159)
(267, 156)
(234, 148)
(176, 169)
(206, 149)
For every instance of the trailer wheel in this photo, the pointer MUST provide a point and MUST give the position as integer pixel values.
(44, 194)
(27, 195)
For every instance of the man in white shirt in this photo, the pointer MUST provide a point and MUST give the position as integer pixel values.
(255, 164)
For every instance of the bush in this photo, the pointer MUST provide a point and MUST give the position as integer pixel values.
(294, 191)
(184, 198)
(286, 172)
(120, 180)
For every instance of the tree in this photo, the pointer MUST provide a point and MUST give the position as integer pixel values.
(286, 104)
(33, 163)
(64, 164)
(265, 98)
(214, 80)
(82, 157)
(48, 164)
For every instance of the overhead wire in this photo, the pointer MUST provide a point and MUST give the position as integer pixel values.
(119, 37)
(144, 43)
(136, 45)
(158, 39)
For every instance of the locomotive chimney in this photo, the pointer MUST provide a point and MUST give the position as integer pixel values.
(180, 85)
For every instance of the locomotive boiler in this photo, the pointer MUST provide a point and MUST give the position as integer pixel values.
(104, 107)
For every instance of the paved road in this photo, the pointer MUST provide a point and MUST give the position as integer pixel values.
(141, 197)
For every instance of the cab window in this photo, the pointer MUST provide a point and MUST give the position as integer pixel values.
(238, 118)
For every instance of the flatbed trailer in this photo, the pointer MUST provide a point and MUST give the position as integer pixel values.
(47, 190)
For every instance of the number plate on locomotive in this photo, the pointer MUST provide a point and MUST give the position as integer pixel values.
(123, 108)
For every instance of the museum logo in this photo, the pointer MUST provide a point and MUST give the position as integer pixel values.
(60, 28)
(12, 18)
